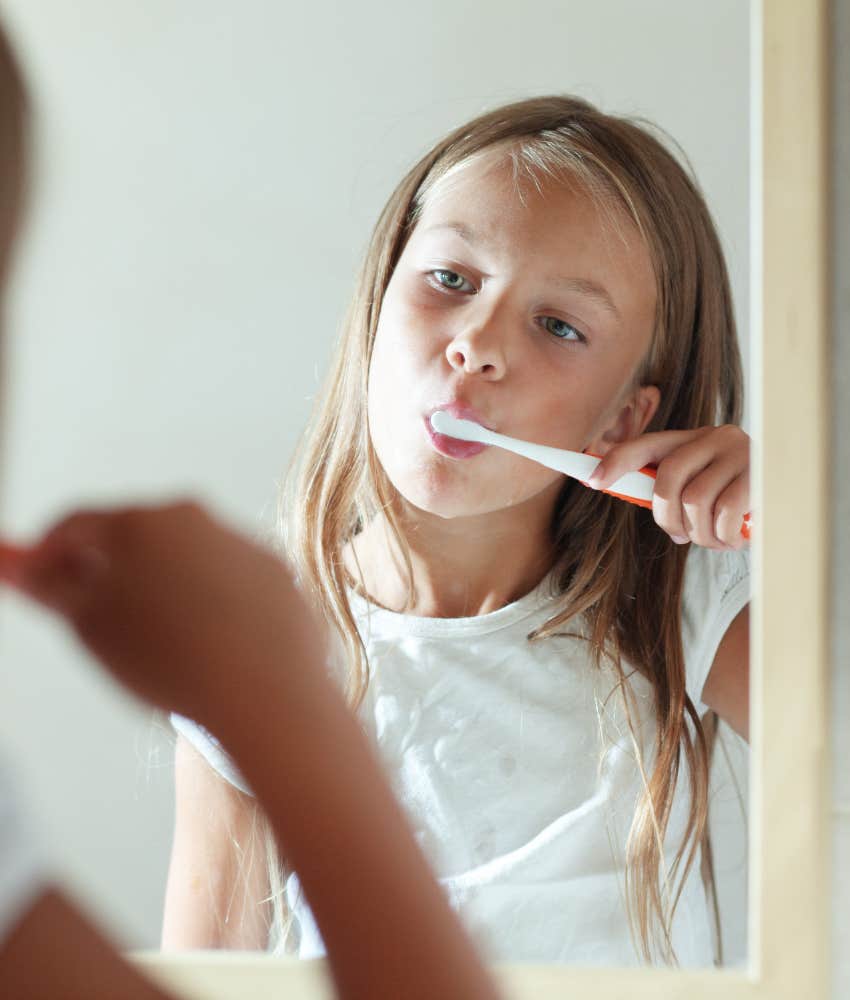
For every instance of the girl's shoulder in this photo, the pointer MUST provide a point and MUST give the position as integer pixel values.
(716, 588)
(713, 576)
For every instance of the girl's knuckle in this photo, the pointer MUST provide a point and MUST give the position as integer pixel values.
(693, 496)
(735, 436)
(676, 466)
(728, 522)
(667, 481)
(666, 517)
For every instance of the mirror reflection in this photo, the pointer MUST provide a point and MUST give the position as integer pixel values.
(554, 677)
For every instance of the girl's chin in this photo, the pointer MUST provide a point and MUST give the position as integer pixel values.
(446, 488)
(447, 496)
(450, 503)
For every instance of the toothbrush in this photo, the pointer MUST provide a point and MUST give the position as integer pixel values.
(635, 487)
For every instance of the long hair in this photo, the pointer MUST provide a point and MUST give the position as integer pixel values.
(614, 567)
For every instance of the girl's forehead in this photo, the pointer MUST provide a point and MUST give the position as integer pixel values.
(491, 193)
(488, 202)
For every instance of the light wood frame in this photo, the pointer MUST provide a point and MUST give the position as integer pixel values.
(789, 838)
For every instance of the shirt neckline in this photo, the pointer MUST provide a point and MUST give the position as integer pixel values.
(381, 621)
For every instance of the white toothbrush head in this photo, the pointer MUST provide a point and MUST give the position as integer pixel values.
(463, 430)
(569, 462)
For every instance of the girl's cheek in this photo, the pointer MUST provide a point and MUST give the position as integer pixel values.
(417, 329)
(421, 307)
(415, 293)
(400, 306)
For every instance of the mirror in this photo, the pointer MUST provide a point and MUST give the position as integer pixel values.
(205, 187)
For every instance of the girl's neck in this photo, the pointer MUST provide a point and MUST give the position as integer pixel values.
(462, 567)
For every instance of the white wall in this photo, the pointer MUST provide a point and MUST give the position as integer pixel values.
(208, 175)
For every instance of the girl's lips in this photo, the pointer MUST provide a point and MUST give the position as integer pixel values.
(450, 446)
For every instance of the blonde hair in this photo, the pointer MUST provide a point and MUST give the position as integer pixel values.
(614, 566)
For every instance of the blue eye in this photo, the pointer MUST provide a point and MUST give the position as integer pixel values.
(449, 279)
(562, 330)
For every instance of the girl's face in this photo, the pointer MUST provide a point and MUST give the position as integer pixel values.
(532, 314)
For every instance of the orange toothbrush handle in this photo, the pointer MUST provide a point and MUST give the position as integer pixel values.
(647, 470)
(650, 470)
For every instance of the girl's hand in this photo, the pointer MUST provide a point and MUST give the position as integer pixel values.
(702, 485)
(176, 605)
(197, 619)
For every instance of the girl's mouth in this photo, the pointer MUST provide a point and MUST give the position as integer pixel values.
(452, 447)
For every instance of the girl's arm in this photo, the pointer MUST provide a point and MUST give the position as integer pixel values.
(217, 879)
(727, 687)
(170, 601)
(702, 492)
(385, 922)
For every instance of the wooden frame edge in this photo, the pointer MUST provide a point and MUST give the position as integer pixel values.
(791, 676)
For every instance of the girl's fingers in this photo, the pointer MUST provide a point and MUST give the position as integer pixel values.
(13, 559)
(692, 512)
(730, 509)
(648, 449)
(58, 571)
(702, 481)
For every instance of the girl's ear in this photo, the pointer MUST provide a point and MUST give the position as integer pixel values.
(630, 421)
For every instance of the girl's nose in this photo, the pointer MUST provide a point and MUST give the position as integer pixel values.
(478, 349)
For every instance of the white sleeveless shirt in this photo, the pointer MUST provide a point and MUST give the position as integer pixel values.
(517, 770)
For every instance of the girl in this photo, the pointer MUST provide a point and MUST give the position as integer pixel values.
(532, 658)
(137, 587)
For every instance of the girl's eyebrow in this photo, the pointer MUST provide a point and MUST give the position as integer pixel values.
(583, 286)
(464, 232)
(592, 289)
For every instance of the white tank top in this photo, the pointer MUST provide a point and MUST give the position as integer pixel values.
(516, 768)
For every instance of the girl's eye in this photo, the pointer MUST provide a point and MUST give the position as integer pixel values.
(557, 327)
(562, 330)
(450, 279)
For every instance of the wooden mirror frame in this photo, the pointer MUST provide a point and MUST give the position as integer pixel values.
(789, 928)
